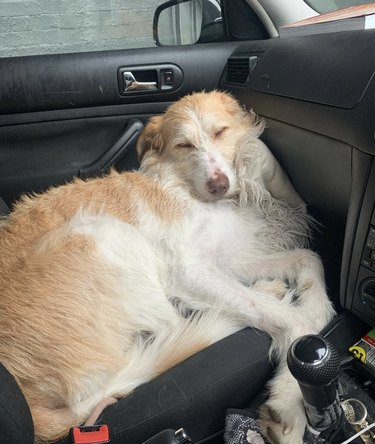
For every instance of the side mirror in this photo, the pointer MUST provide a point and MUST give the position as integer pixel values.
(184, 22)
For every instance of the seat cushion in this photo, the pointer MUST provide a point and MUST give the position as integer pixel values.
(196, 393)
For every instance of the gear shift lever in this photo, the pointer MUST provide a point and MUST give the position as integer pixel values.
(315, 363)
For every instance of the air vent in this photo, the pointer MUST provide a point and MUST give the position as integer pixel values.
(237, 70)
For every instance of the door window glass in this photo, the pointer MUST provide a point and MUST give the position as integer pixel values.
(31, 27)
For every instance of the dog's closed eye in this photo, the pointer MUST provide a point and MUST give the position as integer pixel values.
(219, 132)
(185, 145)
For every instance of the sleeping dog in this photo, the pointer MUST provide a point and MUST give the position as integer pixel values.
(210, 224)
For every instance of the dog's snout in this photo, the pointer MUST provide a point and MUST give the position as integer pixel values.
(218, 185)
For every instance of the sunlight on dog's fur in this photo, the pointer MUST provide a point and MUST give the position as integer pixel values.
(209, 223)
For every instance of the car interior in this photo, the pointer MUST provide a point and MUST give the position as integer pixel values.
(79, 114)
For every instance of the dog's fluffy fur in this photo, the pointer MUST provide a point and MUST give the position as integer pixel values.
(95, 275)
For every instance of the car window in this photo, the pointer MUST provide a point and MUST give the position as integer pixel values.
(48, 27)
(37, 27)
(30, 27)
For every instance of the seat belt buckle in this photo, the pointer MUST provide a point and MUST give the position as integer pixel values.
(95, 434)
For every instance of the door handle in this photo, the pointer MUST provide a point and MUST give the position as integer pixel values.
(149, 79)
(132, 84)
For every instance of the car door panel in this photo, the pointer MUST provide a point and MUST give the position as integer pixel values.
(37, 155)
(60, 113)
(67, 81)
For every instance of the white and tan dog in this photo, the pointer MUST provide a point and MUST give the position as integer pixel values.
(101, 269)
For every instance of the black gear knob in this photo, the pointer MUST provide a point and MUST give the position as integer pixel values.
(315, 363)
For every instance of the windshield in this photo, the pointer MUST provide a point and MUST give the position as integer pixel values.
(323, 6)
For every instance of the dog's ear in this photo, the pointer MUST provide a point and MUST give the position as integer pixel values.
(150, 138)
(231, 104)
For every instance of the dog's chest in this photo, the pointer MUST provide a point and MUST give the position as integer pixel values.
(217, 233)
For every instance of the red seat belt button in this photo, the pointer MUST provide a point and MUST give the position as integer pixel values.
(97, 434)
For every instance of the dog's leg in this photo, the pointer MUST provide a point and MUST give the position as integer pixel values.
(207, 283)
(282, 417)
(275, 179)
(136, 271)
(283, 414)
(275, 287)
(287, 426)
(260, 172)
(286, 418)
(305, 269)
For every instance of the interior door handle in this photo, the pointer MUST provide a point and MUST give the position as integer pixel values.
(149, 79)
(132, 84)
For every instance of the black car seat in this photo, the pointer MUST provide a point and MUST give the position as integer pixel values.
(4, 209)
(16, 425)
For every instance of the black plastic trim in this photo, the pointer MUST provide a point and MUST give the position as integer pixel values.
(134, 109)
(361, 165)
(353, 127)
(321, 104)
(68, 81)
(357, 273)
(315, 68)
(113, 154)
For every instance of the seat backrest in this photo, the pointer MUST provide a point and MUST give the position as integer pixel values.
(4, 209)
(16, 425)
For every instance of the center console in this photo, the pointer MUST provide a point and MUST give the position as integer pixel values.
(358, 271)
(357, 375)
(356, 381)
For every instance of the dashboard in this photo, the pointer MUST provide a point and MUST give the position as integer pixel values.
(317, 95)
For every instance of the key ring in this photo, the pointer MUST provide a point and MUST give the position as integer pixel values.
(355, 411)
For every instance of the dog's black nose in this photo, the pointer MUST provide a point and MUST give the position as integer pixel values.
(218, 185)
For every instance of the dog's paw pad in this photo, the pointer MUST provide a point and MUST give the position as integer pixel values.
(275, 287)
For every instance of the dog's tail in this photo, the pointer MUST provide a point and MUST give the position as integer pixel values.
(56, 421)
(170, 346)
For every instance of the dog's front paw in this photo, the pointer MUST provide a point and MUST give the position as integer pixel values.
(275, 287)
(282, 417)
(278, 431)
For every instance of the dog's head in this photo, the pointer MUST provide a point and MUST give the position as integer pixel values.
(200, 136)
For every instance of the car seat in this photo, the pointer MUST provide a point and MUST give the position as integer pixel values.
(4, 209)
